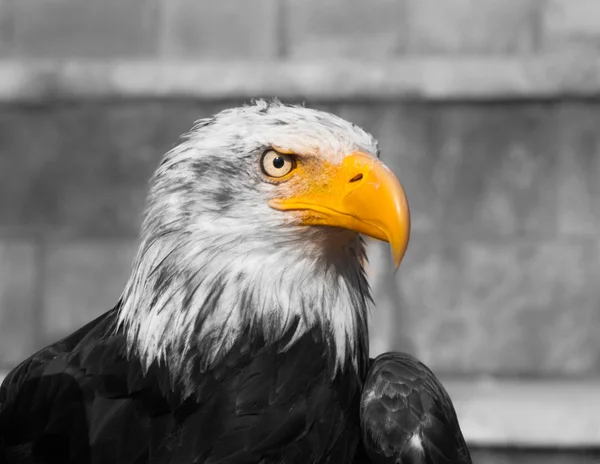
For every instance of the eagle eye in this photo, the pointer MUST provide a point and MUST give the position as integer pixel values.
(275, 164)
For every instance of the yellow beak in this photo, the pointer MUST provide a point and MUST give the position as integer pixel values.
(361, 194)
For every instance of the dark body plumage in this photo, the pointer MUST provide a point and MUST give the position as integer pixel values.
(82, 401)
(407, 416)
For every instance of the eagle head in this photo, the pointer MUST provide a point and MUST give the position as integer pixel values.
(254, 220)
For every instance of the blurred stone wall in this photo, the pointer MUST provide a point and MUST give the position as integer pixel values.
(294, 29)
(502, 272)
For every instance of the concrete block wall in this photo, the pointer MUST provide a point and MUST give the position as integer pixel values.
(502, 271)
(294, 29)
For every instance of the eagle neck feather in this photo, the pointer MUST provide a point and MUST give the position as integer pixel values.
(188, 301)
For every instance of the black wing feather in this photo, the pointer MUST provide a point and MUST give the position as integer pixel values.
(407, 416)
(83, 400)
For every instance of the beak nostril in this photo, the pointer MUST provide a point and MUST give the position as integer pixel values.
(356, 178)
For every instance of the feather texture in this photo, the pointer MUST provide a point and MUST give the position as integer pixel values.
(83, 400)
(407, 416)
(207, 267)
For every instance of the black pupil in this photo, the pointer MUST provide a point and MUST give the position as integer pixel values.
(278, 162)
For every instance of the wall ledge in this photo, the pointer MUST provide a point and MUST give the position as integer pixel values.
(436, 78)
(528, 414)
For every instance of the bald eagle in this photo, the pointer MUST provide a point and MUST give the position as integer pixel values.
(407, 416)
(241, 335)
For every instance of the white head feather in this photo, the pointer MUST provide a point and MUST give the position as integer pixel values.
(215, 257)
